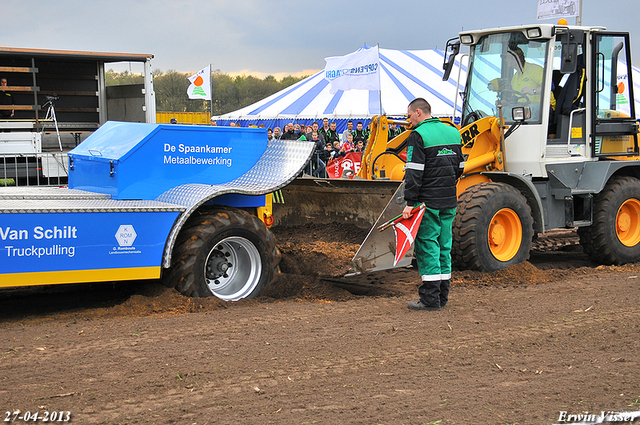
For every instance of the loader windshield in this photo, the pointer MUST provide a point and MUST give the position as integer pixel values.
(505, 69)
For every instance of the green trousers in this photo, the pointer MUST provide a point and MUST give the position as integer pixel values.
(432, 247)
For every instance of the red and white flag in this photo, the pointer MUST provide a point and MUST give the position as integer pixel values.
(406, 231)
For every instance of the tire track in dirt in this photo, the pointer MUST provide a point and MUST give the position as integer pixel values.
(276, 361)
(311, 351)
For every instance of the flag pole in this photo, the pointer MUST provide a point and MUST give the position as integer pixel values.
(210, 95)
(399, 218)
(379, 73)
(579, 17)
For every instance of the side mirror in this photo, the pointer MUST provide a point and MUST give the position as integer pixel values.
(450, 53)
(569, 54)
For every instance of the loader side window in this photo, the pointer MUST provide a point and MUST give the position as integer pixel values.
(613, 78)
(567, 115)
(613, 104)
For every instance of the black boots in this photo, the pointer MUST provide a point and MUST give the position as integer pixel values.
(418, 305)
(433, 295)
(444, 292)
(429, 293)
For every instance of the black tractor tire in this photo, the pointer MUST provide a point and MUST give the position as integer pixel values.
(225, 253)
(478, 209)
(602, 240)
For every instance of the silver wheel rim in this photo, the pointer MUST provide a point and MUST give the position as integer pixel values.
(233, 268)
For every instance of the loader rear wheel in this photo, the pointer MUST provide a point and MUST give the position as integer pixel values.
(493, 228)
(226, 253)
(614, 236)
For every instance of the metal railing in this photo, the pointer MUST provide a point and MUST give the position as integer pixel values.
(316, 167)
(34, 169)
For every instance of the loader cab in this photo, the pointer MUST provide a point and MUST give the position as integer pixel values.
(573, 83)
(567, 123)
(613, 114)
(506, 70)
(594, 110)
(509, 70)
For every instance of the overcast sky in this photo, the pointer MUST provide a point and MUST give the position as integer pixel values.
(278, 37)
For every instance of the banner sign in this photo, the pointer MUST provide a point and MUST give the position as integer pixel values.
(350, 161)
(359, 70)
(622, 94)
(553, 9)
(51, 242)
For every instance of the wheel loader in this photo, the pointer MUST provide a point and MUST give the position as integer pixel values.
(559, 151)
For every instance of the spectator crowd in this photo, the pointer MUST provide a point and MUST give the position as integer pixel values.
(330, 144)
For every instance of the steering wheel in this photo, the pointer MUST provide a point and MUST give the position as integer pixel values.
(522, 99)
(473, 116)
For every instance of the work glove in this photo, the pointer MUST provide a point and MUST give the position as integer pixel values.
(497, 84)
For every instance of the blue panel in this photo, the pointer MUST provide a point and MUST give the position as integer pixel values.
(114, 140)
(83, 241)
(238, 201)
(141, 161)
(303, 101)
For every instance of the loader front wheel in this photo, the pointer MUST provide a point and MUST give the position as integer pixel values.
(493, 228)
(225, 253)
(614, 236)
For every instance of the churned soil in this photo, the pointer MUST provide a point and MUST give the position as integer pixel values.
(518, 346)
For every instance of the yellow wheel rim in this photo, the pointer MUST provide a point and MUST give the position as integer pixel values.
(505, 234)
(628, 222)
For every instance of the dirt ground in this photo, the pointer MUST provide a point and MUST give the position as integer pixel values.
(518, 346)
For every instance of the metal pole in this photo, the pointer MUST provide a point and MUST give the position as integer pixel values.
(210, 95)
(35, 92)
(379, 73)
(579, 17)
(455, 101)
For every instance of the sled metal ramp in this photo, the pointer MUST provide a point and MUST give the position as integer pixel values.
(277, 167)
(47, 192)
(377, 252)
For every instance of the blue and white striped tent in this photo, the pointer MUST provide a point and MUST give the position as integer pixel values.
(405, 75)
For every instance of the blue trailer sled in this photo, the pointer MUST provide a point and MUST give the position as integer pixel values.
(185, 203)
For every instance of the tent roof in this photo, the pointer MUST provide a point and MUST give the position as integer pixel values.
(405, 75)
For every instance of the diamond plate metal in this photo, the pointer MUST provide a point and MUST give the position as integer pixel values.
(34, 192)
(279, 165)
(43, 206)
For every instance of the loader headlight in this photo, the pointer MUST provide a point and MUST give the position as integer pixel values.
(466, 39)
(534, 33)
(521, 113)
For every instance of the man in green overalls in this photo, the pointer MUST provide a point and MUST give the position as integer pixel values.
(434, 163)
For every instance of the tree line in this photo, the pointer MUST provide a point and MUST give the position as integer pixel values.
(228, 93)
